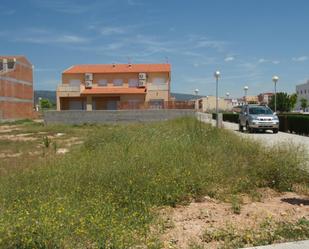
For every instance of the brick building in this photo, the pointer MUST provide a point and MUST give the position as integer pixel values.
(114, 86)
(16, 88)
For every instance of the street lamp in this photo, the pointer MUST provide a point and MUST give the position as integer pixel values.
(246, 90)
(227, 95)
(275, 80)
(196, 91)
(217, 76)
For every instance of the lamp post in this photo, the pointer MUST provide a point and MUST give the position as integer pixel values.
(227, 95)
(217, 76)
(275, 80)
(196, 91)
(246, 90)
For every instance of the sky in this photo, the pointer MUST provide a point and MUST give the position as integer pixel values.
(249, 41)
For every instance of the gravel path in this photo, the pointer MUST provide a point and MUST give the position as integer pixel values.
(271, 139)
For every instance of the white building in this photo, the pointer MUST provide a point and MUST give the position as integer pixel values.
(302, 93)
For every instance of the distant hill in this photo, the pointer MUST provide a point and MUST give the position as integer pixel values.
(51, 96)
(184, 96)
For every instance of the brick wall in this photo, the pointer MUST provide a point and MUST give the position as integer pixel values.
(16, 90)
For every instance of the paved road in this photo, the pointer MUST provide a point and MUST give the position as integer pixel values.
(271, 139)
(293, 245)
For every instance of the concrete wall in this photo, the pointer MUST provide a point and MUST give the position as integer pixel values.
(120, 116)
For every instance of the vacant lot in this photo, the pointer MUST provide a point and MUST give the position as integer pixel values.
(131, 186)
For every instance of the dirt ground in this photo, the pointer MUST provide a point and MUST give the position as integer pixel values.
(186, 224)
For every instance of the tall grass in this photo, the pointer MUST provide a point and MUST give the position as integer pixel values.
(104, 194)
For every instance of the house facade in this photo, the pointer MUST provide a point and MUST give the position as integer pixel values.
(16, 88)
(302, 91)
(114, 86)
(265, 98)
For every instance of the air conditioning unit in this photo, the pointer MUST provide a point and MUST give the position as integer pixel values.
(88, 76)
(142, 76)
(88, 84)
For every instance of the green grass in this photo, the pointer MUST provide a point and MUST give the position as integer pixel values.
(104, 194)
(267, 233)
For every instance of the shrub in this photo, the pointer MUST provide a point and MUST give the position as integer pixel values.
(298, 124)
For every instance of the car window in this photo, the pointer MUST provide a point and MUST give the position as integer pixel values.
(259, 110)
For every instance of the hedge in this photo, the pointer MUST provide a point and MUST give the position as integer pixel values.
(229, 117)
(293, 123)
(298, 124)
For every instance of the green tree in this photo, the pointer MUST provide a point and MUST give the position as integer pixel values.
(283, 102)
(293, 100)
(45, 104)
(304, 104)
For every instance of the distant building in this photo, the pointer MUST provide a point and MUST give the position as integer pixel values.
(251, 99)
(114, 86)
(16, 88)
(302, 91)
(265, 98)
(208, 104)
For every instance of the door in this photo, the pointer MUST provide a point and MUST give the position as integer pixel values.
(112, 105)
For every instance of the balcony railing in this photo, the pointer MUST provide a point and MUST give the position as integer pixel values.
(68, 88)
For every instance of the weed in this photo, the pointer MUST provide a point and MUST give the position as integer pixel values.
(102, 195)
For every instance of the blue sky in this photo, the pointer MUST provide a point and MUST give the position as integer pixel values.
(248, 40)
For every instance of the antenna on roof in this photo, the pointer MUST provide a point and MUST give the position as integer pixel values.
(166, 60)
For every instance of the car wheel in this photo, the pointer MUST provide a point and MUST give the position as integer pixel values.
(275, 131)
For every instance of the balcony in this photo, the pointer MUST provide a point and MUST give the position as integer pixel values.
(159, 87)
(66, 90)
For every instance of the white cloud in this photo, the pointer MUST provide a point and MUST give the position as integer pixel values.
(262, 60)
(112, 31)
(276, 62)
(229, 58)
(49, 39)
(300, 59)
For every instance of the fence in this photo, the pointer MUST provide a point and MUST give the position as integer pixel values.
(188, 105)
(114, 117)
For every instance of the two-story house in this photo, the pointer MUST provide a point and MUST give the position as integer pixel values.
(114, 86)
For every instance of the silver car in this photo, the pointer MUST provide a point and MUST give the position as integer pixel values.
(258, 117)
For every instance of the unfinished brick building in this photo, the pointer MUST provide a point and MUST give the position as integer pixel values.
(16, 88)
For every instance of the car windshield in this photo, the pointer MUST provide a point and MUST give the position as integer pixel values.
(260, 110)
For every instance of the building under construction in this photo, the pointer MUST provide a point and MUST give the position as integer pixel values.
(16, 88)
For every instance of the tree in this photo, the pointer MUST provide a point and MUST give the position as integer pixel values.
(293, 100)
(284, 102)
(45, 104)
(304, 104)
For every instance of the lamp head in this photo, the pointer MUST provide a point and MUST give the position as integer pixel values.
(217, 74)
(275, 78)
(246, 88)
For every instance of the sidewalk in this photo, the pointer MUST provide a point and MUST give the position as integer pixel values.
(291, 245)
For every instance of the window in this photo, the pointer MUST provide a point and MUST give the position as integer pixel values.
(118, 82)
(159, 81)
(102, 82)
(301, 92)
(260, 110)
(74, 82)
(11, 64)
(133, 82)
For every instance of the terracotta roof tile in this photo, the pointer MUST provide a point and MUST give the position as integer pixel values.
(119, 68)
(114, 90)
